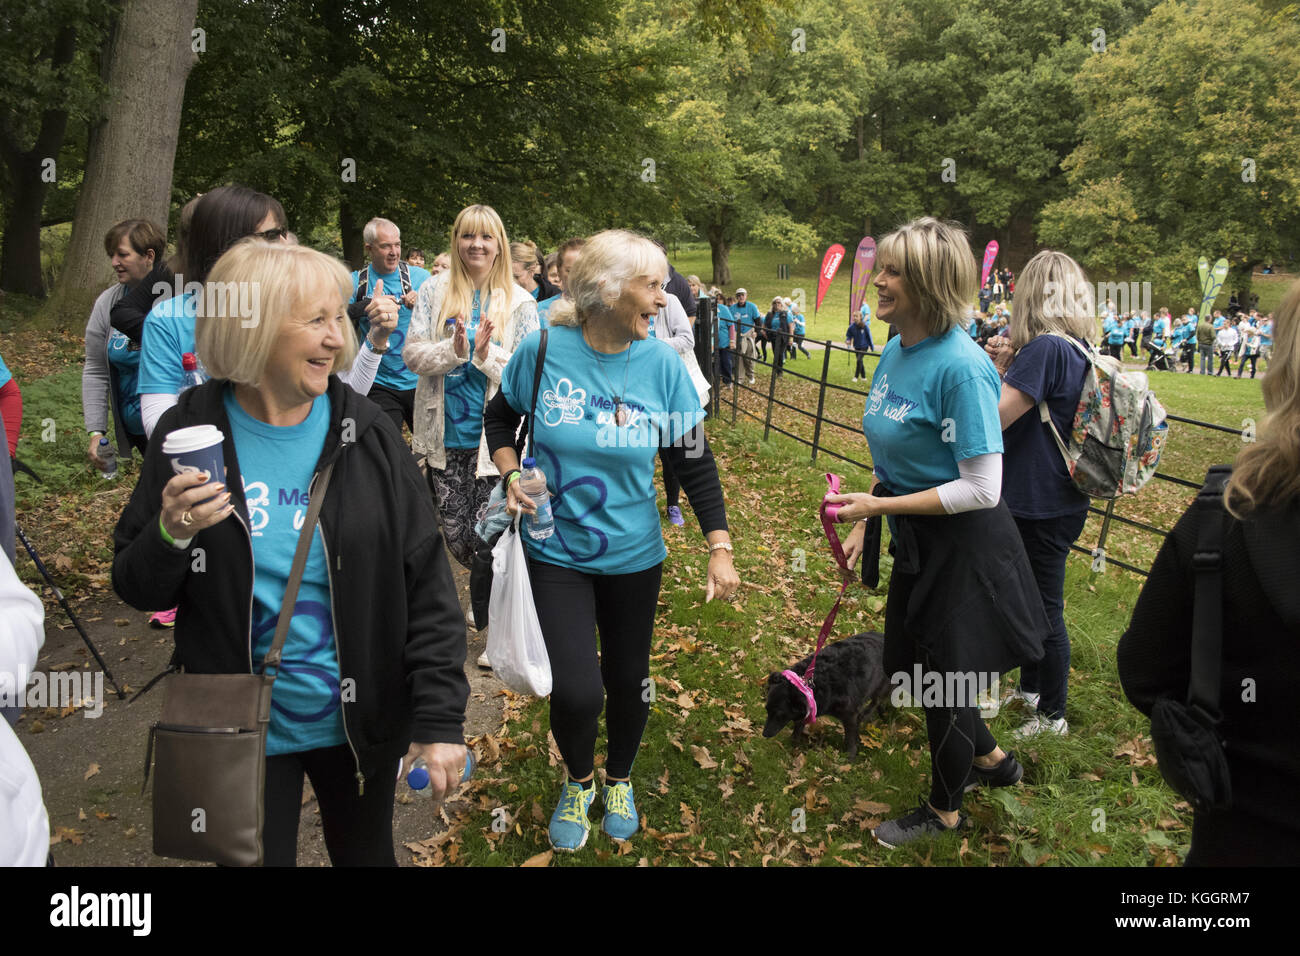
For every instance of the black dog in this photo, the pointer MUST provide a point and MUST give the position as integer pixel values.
(849, 684)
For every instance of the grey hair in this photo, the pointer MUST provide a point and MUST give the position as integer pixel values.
(371, 231)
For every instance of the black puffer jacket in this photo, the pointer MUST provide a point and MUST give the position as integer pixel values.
(398, 623)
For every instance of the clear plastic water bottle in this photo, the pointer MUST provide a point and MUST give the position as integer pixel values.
(193, 374)
(108, 455)
(532, 482)
(418, 778)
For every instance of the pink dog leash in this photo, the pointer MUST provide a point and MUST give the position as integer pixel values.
(828, 513)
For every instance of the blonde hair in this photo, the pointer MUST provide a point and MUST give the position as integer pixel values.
(1052, 295)
(459, 299)
(524, 252)
(249, 293)
(937, 266)
(603, 268)
(1267, 472)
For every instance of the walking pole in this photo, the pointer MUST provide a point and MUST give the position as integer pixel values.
(63, 603)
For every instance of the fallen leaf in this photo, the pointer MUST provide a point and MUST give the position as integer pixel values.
(81, 814)
(90, 771)
(541, 859)
(703, 759)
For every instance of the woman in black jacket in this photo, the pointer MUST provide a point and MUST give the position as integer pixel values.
(375, 653)
(1260, 666)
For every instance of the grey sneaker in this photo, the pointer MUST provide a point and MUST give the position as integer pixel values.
(921, 822)
(1038, 724)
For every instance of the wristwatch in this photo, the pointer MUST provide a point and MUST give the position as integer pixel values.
(721, 546)
(371, 345)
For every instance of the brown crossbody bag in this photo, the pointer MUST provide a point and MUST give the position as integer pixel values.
(208, 748)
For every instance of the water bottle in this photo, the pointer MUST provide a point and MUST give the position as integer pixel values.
(193, 374)
(418, 778)
(107, 454)
(533, 483)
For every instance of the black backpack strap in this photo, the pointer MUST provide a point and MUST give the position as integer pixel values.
(1207, 606)
(363, 283)
(537, 380)
(404, 273)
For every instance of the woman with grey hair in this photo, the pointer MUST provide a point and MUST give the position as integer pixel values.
(609, 397)
(1044, 363)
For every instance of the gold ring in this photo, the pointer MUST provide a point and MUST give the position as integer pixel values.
(186, 519)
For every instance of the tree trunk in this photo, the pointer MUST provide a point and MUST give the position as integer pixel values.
(132, 150)
(20, 257)
(721, 250)
(353, 241)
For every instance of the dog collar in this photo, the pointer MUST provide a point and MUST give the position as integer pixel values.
(804, 689)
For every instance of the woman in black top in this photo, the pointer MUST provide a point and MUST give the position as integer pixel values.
(1260, 667)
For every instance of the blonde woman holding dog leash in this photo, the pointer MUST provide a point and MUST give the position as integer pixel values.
(962, 601)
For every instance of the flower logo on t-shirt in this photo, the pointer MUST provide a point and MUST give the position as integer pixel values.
(566, 400)
(879, 392)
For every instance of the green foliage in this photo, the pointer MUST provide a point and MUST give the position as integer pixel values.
(1172, 112)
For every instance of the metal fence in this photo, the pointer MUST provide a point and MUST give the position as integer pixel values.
(706, 352)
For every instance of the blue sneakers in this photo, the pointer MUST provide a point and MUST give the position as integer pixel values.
(569, 824)
(621, 821)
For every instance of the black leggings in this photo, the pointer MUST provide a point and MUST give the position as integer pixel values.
(957, 736)
(861, 370)
(571, 607)
(358, 829)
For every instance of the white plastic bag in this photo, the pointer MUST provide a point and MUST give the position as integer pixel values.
(515, 646)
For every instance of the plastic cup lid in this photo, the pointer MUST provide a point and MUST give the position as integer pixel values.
(194, 438)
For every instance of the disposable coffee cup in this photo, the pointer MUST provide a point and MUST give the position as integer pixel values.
(196, 449)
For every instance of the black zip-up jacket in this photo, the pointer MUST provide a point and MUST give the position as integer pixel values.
(399, 630)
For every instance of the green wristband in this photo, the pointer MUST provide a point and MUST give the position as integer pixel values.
(166, 537)
(512, 476)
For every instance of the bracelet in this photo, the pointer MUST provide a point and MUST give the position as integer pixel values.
(178, 545)
(511, 477)
(371, 345)
(721, 546)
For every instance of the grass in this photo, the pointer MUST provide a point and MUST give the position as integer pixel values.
(755, 268)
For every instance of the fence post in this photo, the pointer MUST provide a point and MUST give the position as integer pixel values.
(771, 392)
(735, 394)
(821, 399)
(1105, 527)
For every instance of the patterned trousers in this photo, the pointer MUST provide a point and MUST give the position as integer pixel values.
(461, 499)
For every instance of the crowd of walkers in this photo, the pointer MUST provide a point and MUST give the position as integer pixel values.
(586, 357)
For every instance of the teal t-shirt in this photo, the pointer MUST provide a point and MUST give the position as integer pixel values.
(6, 376)
(125, 360)
(725, 325)
(276, 464)
(393, 372)
(601, 474)
(931, 405)
(464, 391)
(544, 309)
(799, 325)
(168, 335)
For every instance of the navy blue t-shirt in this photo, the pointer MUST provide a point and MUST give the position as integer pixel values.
(1035, 483)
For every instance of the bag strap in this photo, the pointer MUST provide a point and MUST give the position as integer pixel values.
(537, 380)
(363, 282)
(317, 497)
(404, 273)
(1207, 604)
(1045, 415)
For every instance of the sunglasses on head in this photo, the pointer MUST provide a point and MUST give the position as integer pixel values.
(273, 235)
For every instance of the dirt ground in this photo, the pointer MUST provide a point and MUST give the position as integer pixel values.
(91, 769)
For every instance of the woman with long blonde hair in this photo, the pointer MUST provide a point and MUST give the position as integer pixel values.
(1044, 361)
(1260, 657)
(466, 324)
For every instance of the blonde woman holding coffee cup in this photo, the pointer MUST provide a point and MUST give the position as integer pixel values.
(376, 610)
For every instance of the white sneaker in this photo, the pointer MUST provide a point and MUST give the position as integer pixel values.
(751, 380)
(1026, 697)
(1038, 724)
(483, 661)
(989, 705)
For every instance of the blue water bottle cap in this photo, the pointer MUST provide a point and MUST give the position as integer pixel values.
(418, 778)
(530, 462)
(103, 441)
